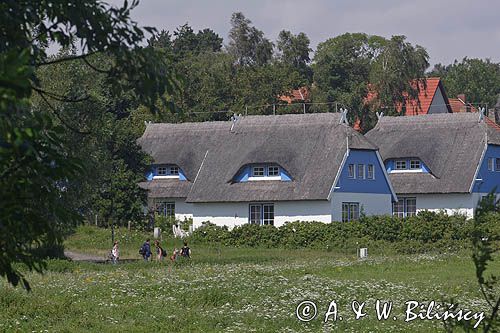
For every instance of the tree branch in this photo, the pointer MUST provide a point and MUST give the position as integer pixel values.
(58, 60)
(57, 97)
(76, 130)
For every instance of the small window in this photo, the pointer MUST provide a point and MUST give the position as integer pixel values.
(415, 164)
(351, 171)
(174, 170)
(398, 208)
(350, 211)
(162, 171)
(405, 207)
(491, 164)
(258, 171)
(370, 172)
(400, 165)
(497, 164)
(361, 171)
(273, 171)
(164, 208)
(261, 214)
(268, 210)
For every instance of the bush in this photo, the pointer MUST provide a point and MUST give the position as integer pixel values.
(428, 231)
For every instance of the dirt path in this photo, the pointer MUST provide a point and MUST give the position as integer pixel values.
(83, 257)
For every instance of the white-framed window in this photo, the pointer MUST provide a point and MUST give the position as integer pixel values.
(404, 207)
(370, 174)
(258, 171)
(497, 164)
(361, 171)
(273, 171)
(255, 214)
(165, 208)
(350, 211)
(351, 171)
(174, 170)
(415, 164)
(400, 165)
(491, 162)
(261, 214)
(268, 214)
(161, 171)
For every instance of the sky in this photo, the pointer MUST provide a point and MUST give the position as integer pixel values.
(448, 29)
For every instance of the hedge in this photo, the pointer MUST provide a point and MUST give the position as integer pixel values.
(421, 233)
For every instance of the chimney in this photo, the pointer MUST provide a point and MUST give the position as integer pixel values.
(461, 97)
(465, 107)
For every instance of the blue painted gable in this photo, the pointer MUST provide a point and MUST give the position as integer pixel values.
(487, 180)
(379, 184)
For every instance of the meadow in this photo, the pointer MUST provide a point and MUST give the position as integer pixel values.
(228, 289)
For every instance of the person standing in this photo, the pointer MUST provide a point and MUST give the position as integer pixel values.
(146, 250)
(115, 253)
(186, 251)
(160, 252)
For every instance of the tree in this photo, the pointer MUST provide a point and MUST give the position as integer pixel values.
(478, 79)
(398, 74)
(38, 169)
(294, 51)
(248, 44)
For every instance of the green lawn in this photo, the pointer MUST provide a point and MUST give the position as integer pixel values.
(231, 290)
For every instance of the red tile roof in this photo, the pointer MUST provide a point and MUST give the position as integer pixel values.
(297, 95)
(458, 105)
(425, 97)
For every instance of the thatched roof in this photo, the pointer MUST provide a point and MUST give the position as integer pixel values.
(451, 145)
(309, 147)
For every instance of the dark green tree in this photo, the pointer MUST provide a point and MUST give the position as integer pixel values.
(247, 44)
(38, 168)
(478, 79)
(294, 51)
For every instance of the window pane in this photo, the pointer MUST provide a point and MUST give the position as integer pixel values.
(351, 171)
(273, 171)
(162, 171)
(414, 164)
(398, 208)
(174, 170)
(400, 165)
(255, 214)
(354, 211)
(170, 209)
(370, 171)
(411, 206)
(497, 166)
(490, 164)
(361, 171)
(345, 212)
(258, 171)
(268, 214)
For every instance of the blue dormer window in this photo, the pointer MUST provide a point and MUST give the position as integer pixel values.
(400, 165)
(166, 171)
(409, 165)
(415, 164)
(258, 172)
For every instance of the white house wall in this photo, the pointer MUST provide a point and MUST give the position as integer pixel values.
(452, 203)
(235, 214)
(369, 203)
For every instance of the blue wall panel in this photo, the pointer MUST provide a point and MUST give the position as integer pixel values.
(377, 185)
(489, 179)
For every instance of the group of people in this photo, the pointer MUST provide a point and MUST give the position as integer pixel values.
(161, 253)
(147, 253)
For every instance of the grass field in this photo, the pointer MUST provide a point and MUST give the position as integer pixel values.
(231, 290)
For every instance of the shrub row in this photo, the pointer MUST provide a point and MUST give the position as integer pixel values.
(426, 231)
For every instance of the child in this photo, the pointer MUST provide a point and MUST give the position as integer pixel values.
(186, 251)
(174, 255)
(160, 252)
(115, 253)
